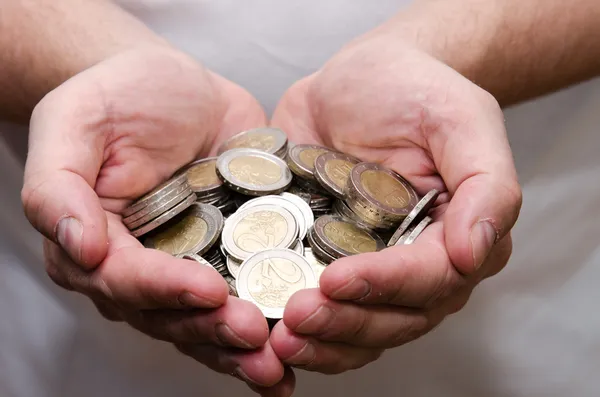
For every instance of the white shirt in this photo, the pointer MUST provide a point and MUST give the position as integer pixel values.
(530, 331)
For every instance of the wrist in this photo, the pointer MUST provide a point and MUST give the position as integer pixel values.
(459, 33)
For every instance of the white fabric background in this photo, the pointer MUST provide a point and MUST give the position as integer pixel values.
(530, 331)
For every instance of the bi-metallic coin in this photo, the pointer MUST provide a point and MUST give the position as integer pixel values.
(195, 232)
(258, 228)
(341, 238)
(415, 216)
(414, 231)
(269, 278)
(332, 171)
(253, 172)
(154, 194)
(301, 159)
(167, 216)
(267, 139)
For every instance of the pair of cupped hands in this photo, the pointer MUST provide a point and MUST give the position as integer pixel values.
(117, 129)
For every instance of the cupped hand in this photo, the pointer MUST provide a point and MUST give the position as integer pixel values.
(104, 138)
(388, 102)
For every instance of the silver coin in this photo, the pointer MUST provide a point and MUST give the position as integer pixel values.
(317, 265)
(252, 172)
(301, 160)
(196, 258)
(170, 214)
(231, 283)
(317, 250)
(299, 247)
(341, 238)
(258, 228)
(267, 139)
(233, 266)
(413, 232)
(288, 205)
(202, 176)
(158, 202)
(304, 207)
(269, 278)
(154, 194)
(416, 215)
(159, 210)
(332, 171)
(195, 232)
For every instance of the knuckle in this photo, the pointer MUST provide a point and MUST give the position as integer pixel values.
(415, 326)
(361, 326)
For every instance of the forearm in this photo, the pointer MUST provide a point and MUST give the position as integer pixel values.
(45, 42)
(515, 49)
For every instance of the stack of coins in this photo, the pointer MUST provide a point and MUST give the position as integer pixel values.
(159, 206)
(334, 237)
(269, 216)
(203, 180)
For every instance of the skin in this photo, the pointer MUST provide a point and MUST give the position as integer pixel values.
(115, 112)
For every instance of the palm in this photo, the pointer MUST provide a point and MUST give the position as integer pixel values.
(158, 111)
(106, 137)
(388, 103)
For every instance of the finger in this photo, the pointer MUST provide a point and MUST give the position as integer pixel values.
(66, 145)
(472, 153)
(139, 278)
(285, 387)
(418, 275)
(316, 355)
(311, 313)
(259, 367)
(236, 324)
(108, 311)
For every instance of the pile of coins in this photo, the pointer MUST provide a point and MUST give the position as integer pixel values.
(270, 216)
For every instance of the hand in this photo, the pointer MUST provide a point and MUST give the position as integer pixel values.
(388, 102)
(107, 136)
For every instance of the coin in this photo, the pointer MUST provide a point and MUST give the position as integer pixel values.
(413, 232)
(170, 214)
(317, 266)
(332, 171)
(380, 194)
(298, 247)
(288, 205)
(269, 278)
(341, 238)
(317, 250)
(301, 203)
(158, 202)
(195, 232)
(415, 216)
(154, 194)
(301, 159)
(258, 228)
(202, 177)
(233, 266)
(159, 210)
(267, 139)
(231, 283)
(196, 258)
(252, 172)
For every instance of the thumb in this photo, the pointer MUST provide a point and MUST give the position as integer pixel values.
(477, 166)
(66, 146)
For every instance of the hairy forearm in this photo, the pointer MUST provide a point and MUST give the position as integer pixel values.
(45, 42)
(515, 49)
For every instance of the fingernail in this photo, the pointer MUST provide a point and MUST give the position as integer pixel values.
(239, 373)
(229, 337)
(483, 237)
(305, 356)
(356, 288)
(191, 300)
(69, 233)
(317, 321)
